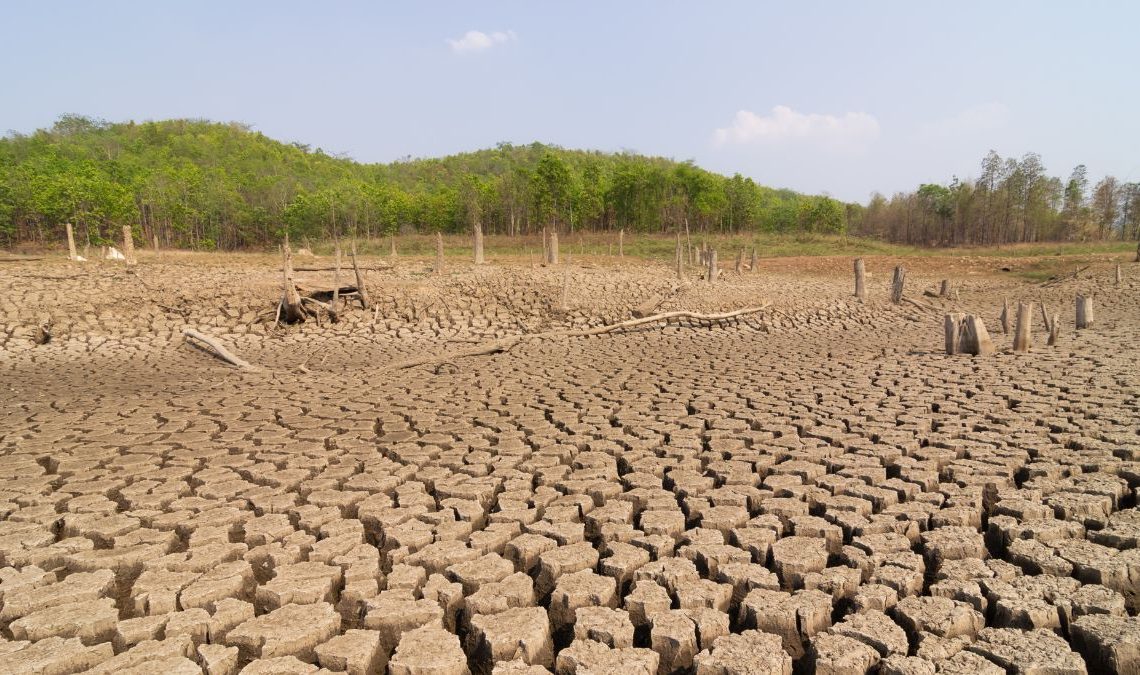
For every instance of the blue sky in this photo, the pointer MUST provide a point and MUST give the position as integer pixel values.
(836, 97)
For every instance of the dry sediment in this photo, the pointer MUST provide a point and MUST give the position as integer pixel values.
(817, 485)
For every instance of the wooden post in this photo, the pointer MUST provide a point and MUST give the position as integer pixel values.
(1003, 319)
(944, 291)
(128, 245)
(952, 325)
(564, 305)
(680, 259)
(478, 243)
(1118, 277)
(621, 243)
(740, 261)
(360, 289)
(755, 266)
(1084, 312)
(714, 271)
(860, 284)
(1022, 335)
(975, 338)
(897, 282)
(553, 247)
(439, 253)
(71, 254)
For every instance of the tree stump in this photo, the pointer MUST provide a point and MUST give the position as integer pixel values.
(291, 309)
(740, 261)
(680, 259)
(365, 302)
(952, 325)
(478, 243)
(128, 245)
(392, 248)
(621, 243)
(1118, 276)
(1022, 335)
(975, 338)
(564, 304)
(944, 291)
(1052, 322)
(336, 282)
(1084, 312)
(154, 239)
(71, 253)
(438, 253)
(1004, 318)
(714, 271)
(754, 266)
(553, 247)
(898, 279)
(860, 280)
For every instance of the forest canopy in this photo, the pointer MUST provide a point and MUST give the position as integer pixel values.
(206, 185)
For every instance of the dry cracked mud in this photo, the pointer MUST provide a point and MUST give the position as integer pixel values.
(816, 488)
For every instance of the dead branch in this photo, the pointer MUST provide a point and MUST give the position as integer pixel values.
(219, 349)
(506, 344)
(1057, 280)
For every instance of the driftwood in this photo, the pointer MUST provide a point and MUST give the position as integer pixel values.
(506, 344)
(219, 349)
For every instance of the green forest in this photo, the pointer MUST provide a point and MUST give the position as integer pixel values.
(204, 185)
(1012, 201)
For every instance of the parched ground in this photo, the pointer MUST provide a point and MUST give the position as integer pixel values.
(814, 487)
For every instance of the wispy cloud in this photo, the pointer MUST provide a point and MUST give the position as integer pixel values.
(983, 117)
(477, 41)
(848, 131)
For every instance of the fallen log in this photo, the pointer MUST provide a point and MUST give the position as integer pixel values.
(505, 344)
(219, 349)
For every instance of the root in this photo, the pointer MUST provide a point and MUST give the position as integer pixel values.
(506, 344)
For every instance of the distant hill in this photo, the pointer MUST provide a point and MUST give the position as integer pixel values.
(202, 184)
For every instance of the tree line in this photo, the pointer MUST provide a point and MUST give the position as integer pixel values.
(205, 185)
(1012, 201)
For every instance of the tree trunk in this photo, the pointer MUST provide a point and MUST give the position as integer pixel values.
(71, 253)
(553, 247)
(714, 270)
(392, 248)
(740, 261)
(679, 255)
(754, 267)
(860, 280)
(975, 338)
(365, 302)
(438, 253)
(621, 243)
(944, 291)
(1118, 277)
(336, 278)
(1022, 336)
(897, 282)
(1084, 312)
(952, 325)
(1004, 318)
(478, 243)
(291, 308)
(128, 245)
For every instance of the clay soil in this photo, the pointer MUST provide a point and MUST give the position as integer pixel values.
(817, 487)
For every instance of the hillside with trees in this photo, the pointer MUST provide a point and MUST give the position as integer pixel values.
(204, 185)
(1012, 201)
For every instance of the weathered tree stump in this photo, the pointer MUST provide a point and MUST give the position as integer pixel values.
(438, 253)
(564, 304)
(1118, 275)
(154, 240)
(621, 243)
(553, 247)
(1137, 252)
(71, 253)
(1003, 319)
(860, 280)
(975, 338)
(365, 302)
(478, 243)
(944, 290)
(1052, 323)
(128, 245)
(392, 248)
(291, 309)
(680, 259)
(754, 267)
(740, 261)
(952, 325)
(898, 279)
(335, 303)
(714, 271)
(1022, 336)
(1084, 312)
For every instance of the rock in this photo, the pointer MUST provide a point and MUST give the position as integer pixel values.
(427, 651)
(833, 654)
(1109, 644)
(747, 653)
(610, 627)
(520, 632)
(876, 630)
(292, 630)
(1039, 652)
(356, 652)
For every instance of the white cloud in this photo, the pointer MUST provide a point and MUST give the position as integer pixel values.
(477, 41)
(849, 131)
(983, 117)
